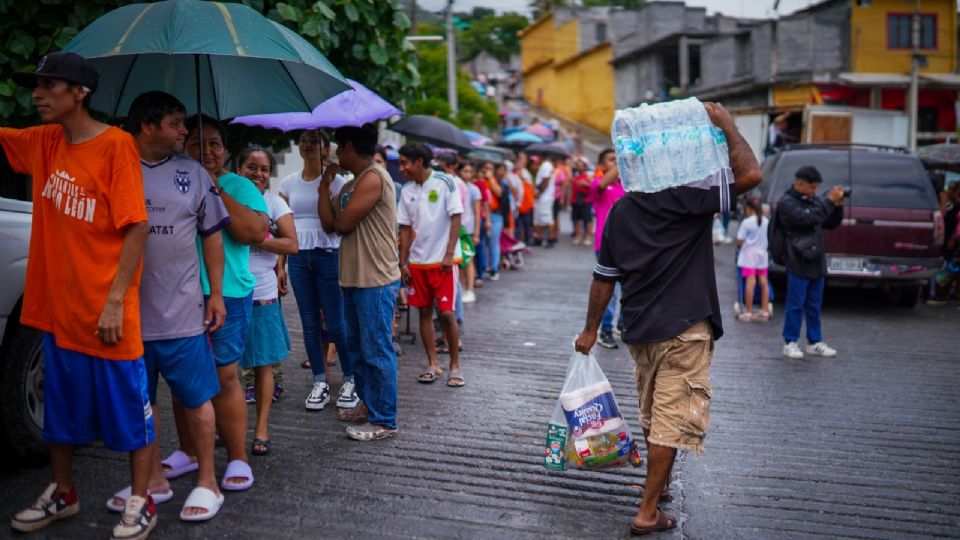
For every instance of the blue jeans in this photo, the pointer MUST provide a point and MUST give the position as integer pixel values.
(369, 315)
(525, 228)
(804, 297)
(480, 259)
(314, 275)
(606, 324)
(496, 223)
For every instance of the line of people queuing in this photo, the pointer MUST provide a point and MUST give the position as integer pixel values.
(147, 262)
(184, 256)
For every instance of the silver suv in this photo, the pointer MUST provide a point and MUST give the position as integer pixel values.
(21, 354)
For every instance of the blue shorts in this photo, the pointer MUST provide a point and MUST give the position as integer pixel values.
(229, 341)
(188, 367)
(88, 398)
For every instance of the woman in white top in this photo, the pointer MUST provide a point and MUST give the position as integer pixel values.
(268, 343)
(314, 273)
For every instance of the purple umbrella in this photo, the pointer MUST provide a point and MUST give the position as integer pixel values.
(354, 108)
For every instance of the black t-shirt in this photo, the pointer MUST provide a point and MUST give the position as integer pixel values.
(659, 245)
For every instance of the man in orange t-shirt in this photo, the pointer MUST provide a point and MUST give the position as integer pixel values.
(82, 289)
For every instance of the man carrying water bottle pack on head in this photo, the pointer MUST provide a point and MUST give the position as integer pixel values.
(658, 246)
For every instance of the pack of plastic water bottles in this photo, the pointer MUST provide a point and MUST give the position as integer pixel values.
(669, 144)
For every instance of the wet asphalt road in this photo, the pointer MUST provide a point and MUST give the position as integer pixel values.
(866, 445)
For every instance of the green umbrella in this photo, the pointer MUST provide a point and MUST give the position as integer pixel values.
(224, 59)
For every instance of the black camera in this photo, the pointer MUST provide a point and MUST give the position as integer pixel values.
(847, 192)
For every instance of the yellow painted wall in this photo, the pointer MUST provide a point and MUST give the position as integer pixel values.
(590, 79)
(536, 43)
(566, 41)
(868, 37)
(539, 82)
(577, 86)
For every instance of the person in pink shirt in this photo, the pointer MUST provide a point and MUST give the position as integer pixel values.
(605, 190)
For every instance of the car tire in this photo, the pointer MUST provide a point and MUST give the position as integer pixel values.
(905, 297)
(21, 399)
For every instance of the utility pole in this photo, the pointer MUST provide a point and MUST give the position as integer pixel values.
(912, 94)
(451, 61)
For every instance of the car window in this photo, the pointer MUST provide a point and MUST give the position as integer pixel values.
(890, 181)
(766, 170)
(834, 167)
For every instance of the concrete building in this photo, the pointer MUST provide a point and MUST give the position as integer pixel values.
(661, 56)
(844, 52)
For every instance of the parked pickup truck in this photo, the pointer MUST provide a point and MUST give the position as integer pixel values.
(892, 228)
(21, 355)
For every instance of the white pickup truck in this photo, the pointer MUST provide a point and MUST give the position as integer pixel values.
(21, 355)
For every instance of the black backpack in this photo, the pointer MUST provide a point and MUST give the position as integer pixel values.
(776, 240)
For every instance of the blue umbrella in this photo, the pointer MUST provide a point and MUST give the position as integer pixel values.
(351, 108)
(522, 137)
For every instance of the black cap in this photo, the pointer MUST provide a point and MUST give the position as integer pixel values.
(67, 66)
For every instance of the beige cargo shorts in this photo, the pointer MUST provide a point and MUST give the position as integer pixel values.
(673, 380)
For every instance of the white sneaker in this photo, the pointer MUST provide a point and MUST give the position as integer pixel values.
(319, 397)
(821, 349)
(348, 396)
(469, 297)
(792, 350)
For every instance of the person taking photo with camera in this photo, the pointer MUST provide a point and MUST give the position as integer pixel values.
(801, 217)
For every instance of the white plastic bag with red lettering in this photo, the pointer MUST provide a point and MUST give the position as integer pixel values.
(587, 430)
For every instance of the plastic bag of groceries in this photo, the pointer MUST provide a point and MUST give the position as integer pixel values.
(587, 430)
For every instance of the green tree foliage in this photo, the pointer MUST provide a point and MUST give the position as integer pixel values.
(496, 34)
(29, 30)
(475, 110)
(365, 39)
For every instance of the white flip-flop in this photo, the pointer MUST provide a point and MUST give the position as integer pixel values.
(202, 497)
(124, 494)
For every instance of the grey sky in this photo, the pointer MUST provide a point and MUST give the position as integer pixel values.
(739, 8)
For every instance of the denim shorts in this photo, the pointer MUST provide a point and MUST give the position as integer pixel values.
(87, 398)
(188, 367)
(230, 340)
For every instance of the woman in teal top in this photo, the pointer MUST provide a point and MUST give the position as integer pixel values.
(248, 226)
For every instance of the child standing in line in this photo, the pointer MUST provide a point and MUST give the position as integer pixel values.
(753, 259)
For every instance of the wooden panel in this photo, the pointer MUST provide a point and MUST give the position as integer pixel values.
(830, 128)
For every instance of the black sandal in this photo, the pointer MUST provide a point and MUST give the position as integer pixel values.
(263, 444)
